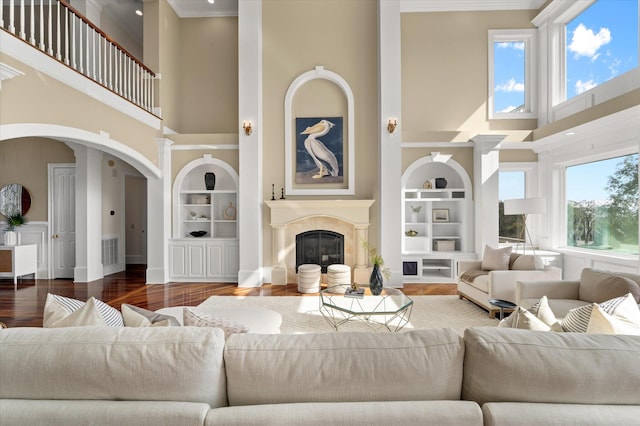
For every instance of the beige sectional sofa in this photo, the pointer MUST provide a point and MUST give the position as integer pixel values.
(191, 376)
(594, 286)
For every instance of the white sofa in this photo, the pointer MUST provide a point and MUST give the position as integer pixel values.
(500, 284)
(191, 376)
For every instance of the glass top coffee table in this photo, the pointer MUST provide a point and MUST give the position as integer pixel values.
(390, 310)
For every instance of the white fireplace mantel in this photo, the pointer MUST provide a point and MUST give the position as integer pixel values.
(286, 212)
(352, 211)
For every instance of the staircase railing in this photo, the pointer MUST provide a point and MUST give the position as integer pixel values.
(60, 31)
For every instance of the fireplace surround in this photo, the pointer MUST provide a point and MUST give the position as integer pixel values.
(292, 217)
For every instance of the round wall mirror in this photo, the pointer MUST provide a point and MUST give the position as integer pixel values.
(14, 198)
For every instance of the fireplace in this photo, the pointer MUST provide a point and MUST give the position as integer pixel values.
(290, 218)
(320, 247)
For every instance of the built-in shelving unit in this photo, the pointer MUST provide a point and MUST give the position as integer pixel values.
(214, 255)
(438, 214)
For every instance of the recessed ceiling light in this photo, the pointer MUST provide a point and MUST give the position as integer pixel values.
(138, 12)
(570, 133)
(211, 1)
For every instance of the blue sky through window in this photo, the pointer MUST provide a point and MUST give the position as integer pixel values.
(508, 76)
(602, 43)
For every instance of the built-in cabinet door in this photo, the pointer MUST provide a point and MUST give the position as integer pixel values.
(178, 260)
(196, 260)
(232, 263)
(215, 260)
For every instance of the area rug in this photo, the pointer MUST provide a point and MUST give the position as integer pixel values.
(302, 314)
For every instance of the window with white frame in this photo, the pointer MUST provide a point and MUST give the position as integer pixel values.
(512, 74)
(601, 43)
(602, 205)
(515, 181)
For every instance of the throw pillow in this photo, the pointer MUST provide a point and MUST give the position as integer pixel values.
(623, 308)
(603, 323)
(199, 319)
(58, 308)
(538, 317)
(543, 312)
(495, 259)
(134, 316)
(87, 315)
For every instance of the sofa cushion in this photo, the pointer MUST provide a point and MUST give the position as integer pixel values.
(560, 307)
(523, 413)
(201, 319)
(333, 367)
(505, 364)
(114, 363)
(22, 412)
(460, 413)
(616, 286)
(598, 286)
(62, 311)
(496, 259)
(524, 262)
(134, 316)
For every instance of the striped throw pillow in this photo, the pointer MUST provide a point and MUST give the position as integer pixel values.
(577, 319)
(57, 308)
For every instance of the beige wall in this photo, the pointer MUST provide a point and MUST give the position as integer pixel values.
(444, 76)
(25, 161)
(208, 83)
(38, 98)
(342, 37)
(518, 155)
(121, 35)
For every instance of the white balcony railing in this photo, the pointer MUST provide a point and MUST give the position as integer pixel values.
(54, 27)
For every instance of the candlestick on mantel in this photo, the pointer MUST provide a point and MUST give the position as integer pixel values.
(273, 194)
(282, 196)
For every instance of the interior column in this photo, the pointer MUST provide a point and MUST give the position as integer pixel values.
(390, 144)
(88, 214)
(486, 163)
(250, 197)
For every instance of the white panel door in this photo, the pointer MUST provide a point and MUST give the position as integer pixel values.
(63, 220)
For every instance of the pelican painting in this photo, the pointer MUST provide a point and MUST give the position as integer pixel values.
(323, 146)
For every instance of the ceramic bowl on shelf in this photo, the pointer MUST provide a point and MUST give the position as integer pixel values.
(411, 233)
(198, 233)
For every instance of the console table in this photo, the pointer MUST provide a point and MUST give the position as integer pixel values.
(16, 261)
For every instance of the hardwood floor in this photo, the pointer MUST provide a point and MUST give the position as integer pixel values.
(23, 307)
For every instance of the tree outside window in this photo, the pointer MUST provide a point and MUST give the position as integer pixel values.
(602, 205)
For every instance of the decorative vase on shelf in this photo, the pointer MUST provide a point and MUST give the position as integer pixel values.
(414, 217)
(441, 183)
(375, 281)
(210, 181)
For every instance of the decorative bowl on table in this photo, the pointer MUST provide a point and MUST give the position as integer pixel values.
(411, 233)
(198, 234)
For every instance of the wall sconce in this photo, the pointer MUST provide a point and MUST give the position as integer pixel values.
(247, 126)
(391, 125)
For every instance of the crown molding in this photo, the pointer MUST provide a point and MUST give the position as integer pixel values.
(408, 6)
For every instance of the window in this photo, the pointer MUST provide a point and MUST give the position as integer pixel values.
(511, 74)
(602, 205)
(511, 185)
(600, 44)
